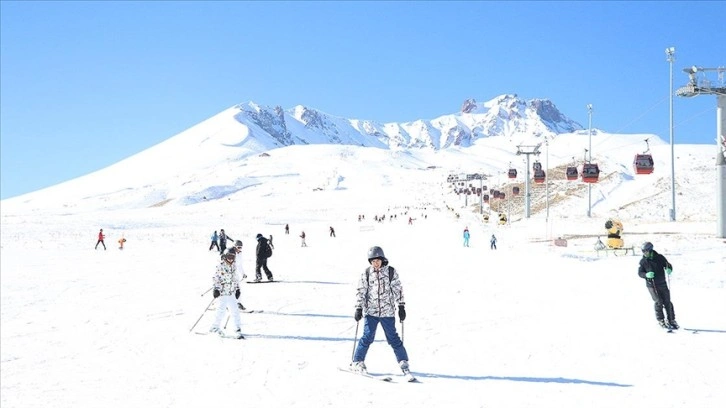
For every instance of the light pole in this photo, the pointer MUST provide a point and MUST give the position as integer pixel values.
(671, 56)
(589, 160)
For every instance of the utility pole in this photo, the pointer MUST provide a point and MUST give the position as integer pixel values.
(693, 88)
(589, 185)
(527, 150)
(671, 56)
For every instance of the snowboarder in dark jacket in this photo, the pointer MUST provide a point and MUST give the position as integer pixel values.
(654, 268)
(262, 253)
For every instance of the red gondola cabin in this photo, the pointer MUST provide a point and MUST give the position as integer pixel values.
(643, 164)
(512, 173)
(539, 176)
(590, 172)
(572, 173)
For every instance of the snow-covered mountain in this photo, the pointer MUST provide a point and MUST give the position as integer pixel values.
(505, 115)
(249, 152)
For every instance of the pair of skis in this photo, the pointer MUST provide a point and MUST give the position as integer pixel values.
(385, 378)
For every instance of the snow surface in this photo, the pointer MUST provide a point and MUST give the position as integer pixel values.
(528, 325)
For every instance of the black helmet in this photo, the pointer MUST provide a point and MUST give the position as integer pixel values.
(647, 247)
(259, 236)
(238, 243)
(231, 254)
(376, 252)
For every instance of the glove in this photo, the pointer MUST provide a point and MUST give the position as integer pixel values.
(215, 293)
(401, 312)
(669, 270)
(237, 293)
(358, 314)
(650, 275)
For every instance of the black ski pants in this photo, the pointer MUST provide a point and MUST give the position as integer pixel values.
(262, 264)
(662, 297)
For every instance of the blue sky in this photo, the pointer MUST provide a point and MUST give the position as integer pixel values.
(86, 84)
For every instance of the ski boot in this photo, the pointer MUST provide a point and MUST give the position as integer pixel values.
(673, 324)
(358, 367)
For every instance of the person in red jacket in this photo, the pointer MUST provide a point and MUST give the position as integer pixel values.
(100, 240)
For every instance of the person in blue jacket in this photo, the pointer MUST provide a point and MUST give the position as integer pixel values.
(214, 243)
(466, 236)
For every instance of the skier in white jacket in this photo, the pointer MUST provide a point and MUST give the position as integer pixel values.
(379, 291)
(226, 286)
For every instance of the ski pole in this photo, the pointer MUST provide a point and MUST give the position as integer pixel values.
(207, 291)
(355, 338)
(200, 317)
(401, 331)
(225, 323)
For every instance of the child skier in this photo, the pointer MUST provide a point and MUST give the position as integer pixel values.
(379, 291)
(226, 287)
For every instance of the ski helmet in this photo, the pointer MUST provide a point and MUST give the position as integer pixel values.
(647, 247)
(259, 236)
(376, 252)
(238, 243)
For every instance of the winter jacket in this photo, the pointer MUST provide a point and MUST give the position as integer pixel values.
(260, 250)
(466, 234)
(225, 279)
(654, 263)
(377, 295)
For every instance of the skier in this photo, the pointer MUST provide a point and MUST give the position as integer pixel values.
(223, 237)
(287, 229)
(240, 270)
(653, 268)
(493, 242)
(226, 287)
(214, 243)
(379, 290)
(302, 237)
(262, 252)
(332, 232)
(121, 242)
(466, 236)
(100, 240)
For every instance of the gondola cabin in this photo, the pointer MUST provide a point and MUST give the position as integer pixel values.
(486, 198)
(515, 190)
(590, 172)
(643, 164)
(571, 173)
(512, 173)
(539, 176)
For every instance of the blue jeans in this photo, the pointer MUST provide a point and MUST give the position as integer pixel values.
(369, 334)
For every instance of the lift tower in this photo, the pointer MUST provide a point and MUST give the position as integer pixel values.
(527, 150)
(705, 87)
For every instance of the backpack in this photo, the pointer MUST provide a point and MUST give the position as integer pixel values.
(267, 250)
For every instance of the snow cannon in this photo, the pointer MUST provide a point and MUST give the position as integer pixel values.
(615, 228)
(502, 218)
